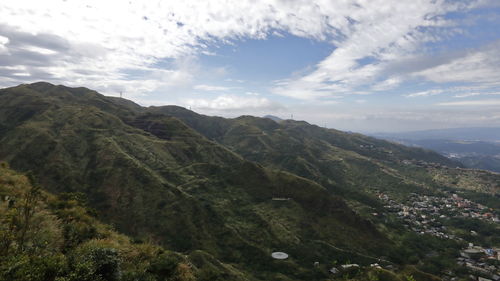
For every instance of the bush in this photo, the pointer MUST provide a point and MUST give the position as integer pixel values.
(95, 262)
(165, 265)
(32, 268)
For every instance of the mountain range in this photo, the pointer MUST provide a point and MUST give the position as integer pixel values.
(226, 193)
(477, 148)
(486, 134)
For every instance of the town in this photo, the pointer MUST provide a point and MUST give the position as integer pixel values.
(425, 214)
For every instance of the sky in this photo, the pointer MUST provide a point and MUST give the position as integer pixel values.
(355, 65)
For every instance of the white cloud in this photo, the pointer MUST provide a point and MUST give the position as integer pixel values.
(3, 42)
(232, 102)
(478, 66)
(330, 102)
(114, 44)
(489, 102)
(110, 38)
(252, 93)
(382, 31)
(424, 93)
(43, 51)
(376, 118)
(387, 84)
(211, 88)
(465, 95)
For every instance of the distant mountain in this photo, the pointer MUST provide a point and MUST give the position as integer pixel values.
(231, 191)
(484, 162)
(477, 148)
(489, 134)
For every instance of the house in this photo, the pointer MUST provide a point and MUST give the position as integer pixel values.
(477, 269)
(349, 266)
(472, 253)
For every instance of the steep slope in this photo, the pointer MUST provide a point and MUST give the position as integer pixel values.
(155, 178)
(359, 169)
(347, 164)
(228, 192)
(46, 237)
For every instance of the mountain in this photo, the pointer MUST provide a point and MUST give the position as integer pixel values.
(232, 191)
(489, 134)
(477, 148)
(344, 163)
(154, 178)
(57, 237)
(473, 154)
(49, 237)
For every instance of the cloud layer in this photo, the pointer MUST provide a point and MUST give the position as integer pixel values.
(96, 42)
(146, 48)
(388, 43)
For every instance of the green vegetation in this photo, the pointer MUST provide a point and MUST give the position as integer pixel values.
(47, 237)
(156, 179)
(203, 188)
(468, 179)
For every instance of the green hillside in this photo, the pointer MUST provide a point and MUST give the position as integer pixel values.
(347, 164)
(46, 237)
(226, 193)
(154, 178)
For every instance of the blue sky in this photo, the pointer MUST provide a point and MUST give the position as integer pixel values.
(360, 65)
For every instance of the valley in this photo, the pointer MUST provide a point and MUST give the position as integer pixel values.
(477, 148)
(227, 193)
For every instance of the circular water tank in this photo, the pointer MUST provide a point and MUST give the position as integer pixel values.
(279, 255)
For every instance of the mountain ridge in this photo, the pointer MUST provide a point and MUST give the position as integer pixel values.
(176, 186)
(236, 189)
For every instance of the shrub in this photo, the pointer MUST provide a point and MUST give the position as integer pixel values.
(165, 265)
(96, 262)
